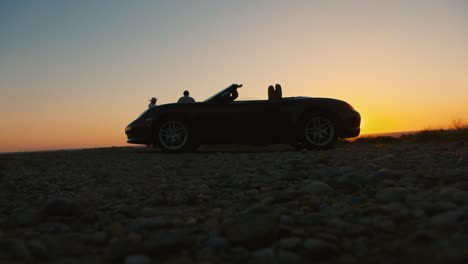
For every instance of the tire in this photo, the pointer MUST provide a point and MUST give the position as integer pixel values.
(173, 135)
(319, 132)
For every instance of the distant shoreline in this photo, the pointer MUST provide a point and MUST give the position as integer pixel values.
(390, 134)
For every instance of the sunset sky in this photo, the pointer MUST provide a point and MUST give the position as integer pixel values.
(73, 74)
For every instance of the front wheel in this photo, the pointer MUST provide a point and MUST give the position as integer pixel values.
(173, 135)
(319, 132)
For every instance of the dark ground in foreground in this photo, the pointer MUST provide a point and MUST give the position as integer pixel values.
(374, 202)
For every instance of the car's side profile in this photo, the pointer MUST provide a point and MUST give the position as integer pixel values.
(315, 123)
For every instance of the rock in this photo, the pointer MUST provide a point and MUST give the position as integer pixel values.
(99, 238)
(204, 254)
(37, 248)
(286, 220)
(252, 230)
(344, 207)
(343, 227)
(319, 249)
(287, 195)
(26, 217)
(392, 194)
(138, 259)
(385, 174)
(454, 195)
(268, 200)
(463, 159)
(384, 224)
(119, 249)
(157, 198)
(446, 220)
(13, 249)
(61, 207)
(218, 244)
(294, 175)
(178, 199)
(166, 242)
(347, 169)
(149, 212)
(354, 178)
(359, 247)
(288, 257)
(422, 237)
(398, 211)
(317, 188)
(462, 185)
(149, 223)
(53, 228)
(438, 207)
(238, 255)
(310, 219)
(68, 261)
(452, 250)
(65, 245)
(263, 256)
(290, 242)
(179, 260)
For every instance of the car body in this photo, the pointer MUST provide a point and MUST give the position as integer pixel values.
(315, 123)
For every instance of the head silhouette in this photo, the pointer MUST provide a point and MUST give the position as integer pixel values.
(186, 93)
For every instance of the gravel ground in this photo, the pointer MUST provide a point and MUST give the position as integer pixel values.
(356, 203)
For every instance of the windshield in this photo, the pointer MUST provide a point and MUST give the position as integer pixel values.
(219, 93)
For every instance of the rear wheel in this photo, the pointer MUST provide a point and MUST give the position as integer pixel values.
(174, 135)
(319, 132)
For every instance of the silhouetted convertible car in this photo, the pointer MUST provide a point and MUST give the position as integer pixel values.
(315, 123)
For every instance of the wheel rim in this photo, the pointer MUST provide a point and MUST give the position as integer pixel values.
(319, 131)
(172, 135)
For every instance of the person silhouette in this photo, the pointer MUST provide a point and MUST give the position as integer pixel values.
(152, 102)
(186, 98)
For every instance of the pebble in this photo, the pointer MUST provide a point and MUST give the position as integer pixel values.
(61, 206)
(392, 194)
(169, 241)
(446, 220)
(319, 249)
(218, 244)
(150, 223)
(263, 256)
(290, 242)
(317, 188)
(13, 249)
(138, 259)
(252, 230)
(288, 257)
(26, 217)
(37, 249)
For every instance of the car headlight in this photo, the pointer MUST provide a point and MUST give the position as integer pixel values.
(129, 128)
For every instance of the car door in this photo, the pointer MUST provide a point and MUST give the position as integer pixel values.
(259, 121)
(248, 119)
(276, 121)
(234, 122)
